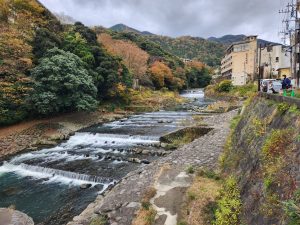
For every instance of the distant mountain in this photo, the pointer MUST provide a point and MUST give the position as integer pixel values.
(229, 39)
(123, 28)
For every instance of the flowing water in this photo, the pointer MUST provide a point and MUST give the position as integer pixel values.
(48, 184)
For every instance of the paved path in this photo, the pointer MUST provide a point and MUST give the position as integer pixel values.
(166, 175)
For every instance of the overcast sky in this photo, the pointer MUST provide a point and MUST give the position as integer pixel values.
(201, 18)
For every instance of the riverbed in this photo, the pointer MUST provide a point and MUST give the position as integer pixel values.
(54, 184)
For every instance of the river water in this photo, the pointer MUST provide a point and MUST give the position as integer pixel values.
(48, 184)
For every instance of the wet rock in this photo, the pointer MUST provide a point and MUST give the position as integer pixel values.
(145, 161)
(134, 160)
(32, 148)
(85, 186)
(146, 152)
(13, 217)
(138, 151)
(134, 205)
(163, 145)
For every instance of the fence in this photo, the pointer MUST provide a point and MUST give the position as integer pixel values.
(279, 98)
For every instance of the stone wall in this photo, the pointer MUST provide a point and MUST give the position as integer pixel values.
(281, 99)
(263, 153)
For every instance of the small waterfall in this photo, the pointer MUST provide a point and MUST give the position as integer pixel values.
(196, 93)
(42, 172)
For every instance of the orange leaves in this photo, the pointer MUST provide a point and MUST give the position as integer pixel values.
(160, 73)
(133, 57)
(195, 64)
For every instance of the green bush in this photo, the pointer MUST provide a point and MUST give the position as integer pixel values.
(292, 209)
(225, 86)
(229, 205)
(100, 220)
(62, 84)
(245, 90)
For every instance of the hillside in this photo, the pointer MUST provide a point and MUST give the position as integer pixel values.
(150, 63)
(229, 39)
(47, 68)
(186, 47)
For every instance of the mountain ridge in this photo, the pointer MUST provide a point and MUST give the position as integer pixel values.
(230, 39)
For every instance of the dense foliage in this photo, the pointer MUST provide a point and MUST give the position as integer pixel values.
(164, 69)
(198, 75)
(62, 84)
(18, 22)
(153, 49)
(208, 51)
(46, 68)
(188, 47)
(229, 205)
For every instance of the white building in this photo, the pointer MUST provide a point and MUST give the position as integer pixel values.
(273, 59)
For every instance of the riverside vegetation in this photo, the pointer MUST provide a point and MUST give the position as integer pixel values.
(47, 68)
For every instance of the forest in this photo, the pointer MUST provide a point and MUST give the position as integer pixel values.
(47, 68)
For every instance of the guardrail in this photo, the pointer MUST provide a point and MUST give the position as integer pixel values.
(281, 99)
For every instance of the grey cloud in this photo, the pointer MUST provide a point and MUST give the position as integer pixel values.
(178, 17)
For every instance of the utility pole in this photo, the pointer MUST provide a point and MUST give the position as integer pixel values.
(298, 44)
(291, 32)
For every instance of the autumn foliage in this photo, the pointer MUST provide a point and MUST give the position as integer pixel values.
(134, 58)
(162, 76)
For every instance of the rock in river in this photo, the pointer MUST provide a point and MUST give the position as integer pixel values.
(85, 186)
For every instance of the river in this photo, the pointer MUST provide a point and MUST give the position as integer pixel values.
(52, 185)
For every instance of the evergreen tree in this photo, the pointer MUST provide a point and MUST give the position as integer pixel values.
(62, 84)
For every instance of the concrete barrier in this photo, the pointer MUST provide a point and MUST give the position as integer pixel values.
(281, 99)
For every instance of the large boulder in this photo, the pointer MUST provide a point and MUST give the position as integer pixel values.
(13, 217)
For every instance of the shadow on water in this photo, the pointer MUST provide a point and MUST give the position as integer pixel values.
(53, 185)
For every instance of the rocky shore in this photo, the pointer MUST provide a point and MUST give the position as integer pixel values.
(37, 134)
(167, 176)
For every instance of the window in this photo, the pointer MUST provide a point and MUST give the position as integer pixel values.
(277, 59)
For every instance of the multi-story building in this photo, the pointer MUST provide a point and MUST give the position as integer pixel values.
(240, 61)
(275, 59)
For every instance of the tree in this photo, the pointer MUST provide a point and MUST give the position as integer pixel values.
(75, 43)
(62, 84)
(161, 74)
(88, 34)
(110, 71)
(133, 57)
(44, 40)
(198, 75)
